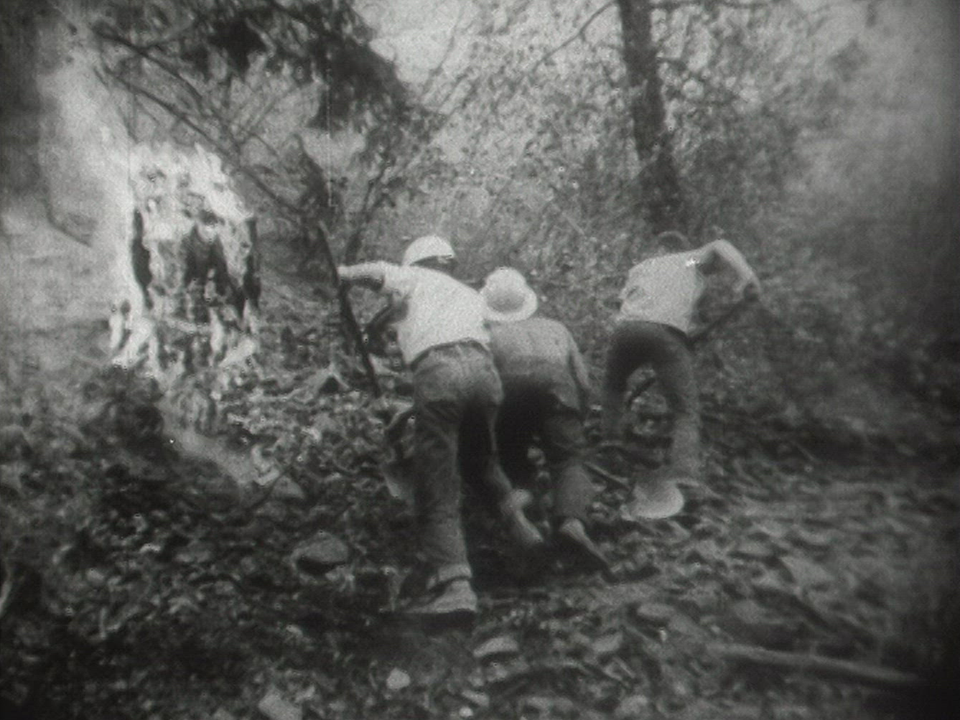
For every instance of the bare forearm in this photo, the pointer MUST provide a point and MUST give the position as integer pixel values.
(369, 275)
(723, 250)
(732, 257)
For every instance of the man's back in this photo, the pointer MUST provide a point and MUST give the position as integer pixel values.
(433, 309)
(539, 352)
(664, 289)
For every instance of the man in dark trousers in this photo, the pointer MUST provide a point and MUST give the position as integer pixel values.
(546, 394)
(657, 306)
(444, 341)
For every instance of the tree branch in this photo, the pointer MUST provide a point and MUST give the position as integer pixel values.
(824, 666)
(579, 33)
(162, 64)
(451, 42)
(176, 34)
(678, 4)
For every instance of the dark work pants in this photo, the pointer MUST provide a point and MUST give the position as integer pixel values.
(636, 343)
(456, 391)
(533, 416)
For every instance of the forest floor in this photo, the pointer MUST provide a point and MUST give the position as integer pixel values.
(141, 581)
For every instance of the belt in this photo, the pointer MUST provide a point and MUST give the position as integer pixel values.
(447, 346)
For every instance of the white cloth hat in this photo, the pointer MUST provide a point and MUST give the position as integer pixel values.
(426, 247)
(508, 296)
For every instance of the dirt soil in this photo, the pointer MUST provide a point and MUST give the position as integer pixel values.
(144, 583)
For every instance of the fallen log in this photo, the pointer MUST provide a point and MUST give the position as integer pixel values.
(819, 665)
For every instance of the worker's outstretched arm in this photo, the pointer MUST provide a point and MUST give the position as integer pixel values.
(747, 281)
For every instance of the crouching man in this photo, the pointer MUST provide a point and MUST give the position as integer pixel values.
(444, 342)
(546, 395)
(657, 307)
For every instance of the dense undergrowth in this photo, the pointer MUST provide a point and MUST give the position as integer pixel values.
(143, 582)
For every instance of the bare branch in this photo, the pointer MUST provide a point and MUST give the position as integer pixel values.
(250, 128)
(579, 33)
(435, 72)
(175, 34)
(678, 4)
(824, 666)
(224, 151)
(162, 64)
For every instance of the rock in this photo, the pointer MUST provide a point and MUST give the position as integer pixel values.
(275, 707)
(806, 573)
(498, 673)
(498, 646)
(326, 380)
(10, 474)
(656, 613)
(480, 699)
(685, 625)
(754, 549)
(607, 644)
(617, 595)
(13, 443)
(548, 706)
(222, 714)
(196, 553)
(750, 622)
(286, 489)
(632, 707)
(397, 680)
(320, 554)
(196, 446)
(817, 541)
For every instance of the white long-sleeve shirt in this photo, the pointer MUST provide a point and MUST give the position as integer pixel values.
(435, 309)
(664, 289)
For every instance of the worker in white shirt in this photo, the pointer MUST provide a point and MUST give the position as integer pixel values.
(444, 342)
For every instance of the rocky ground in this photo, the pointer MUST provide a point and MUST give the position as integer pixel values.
(141, 580)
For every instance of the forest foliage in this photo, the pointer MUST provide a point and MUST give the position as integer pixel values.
(121, 550)
(518, 143)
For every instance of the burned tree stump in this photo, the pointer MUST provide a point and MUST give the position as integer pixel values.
(192, 268)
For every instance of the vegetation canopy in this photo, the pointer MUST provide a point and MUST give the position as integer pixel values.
(223, 529)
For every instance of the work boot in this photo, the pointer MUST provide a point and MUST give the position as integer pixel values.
(523, 532)
(448, 593)
(577, 546)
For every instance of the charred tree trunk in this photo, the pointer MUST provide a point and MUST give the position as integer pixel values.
(661, 198)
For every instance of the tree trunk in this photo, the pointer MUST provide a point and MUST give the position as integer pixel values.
(661, 199)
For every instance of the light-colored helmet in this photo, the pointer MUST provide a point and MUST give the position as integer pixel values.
(427, 247)
(508, 296)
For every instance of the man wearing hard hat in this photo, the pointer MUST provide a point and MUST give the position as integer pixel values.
(444, 342)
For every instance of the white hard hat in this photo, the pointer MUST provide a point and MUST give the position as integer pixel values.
(508, 296)
(427, 247)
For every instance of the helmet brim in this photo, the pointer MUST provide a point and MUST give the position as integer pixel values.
(526, 309)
